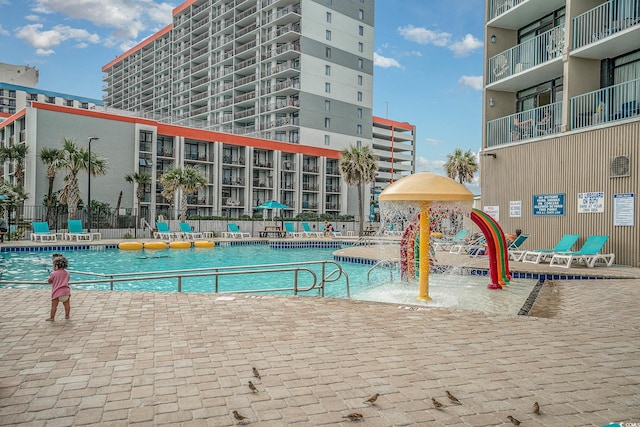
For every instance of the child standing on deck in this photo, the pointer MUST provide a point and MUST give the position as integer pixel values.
(60, 291)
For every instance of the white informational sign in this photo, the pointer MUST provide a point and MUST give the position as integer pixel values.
(493, 212)
(591, 202)
(624, 209)
(515, 208)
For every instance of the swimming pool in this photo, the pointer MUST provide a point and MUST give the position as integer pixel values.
(446, 290)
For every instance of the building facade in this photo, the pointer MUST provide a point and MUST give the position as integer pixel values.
(14, 98)
(294, 71)
(561, 120)
(394, 143)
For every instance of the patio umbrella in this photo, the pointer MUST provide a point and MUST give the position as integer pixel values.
(272, 204)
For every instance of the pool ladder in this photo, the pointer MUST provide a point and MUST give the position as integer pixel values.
(383, 263)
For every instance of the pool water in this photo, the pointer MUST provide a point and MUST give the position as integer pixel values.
(446, 290)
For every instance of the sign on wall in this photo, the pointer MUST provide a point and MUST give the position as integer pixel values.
(493, 212)
(591, 202)
(548, 204)
(515, 208)
(623, 209)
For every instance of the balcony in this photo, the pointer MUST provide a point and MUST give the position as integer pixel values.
(537, 59)
(613, 103)
(606, 31)
(535, 123)
(515, 14)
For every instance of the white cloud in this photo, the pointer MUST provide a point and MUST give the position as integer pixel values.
(465, 46)
(32, 18)
(3, 32)
(45, 40)
(384, 62)
(425, 36)
(474, 82)
(44, 52)
(81, 45)
(432, 141)
(426, 165)
(410, 53)
(126, 18)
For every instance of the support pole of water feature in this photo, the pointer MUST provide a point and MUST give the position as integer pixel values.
(425, 232)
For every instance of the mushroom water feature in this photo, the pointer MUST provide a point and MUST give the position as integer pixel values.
(421, 190)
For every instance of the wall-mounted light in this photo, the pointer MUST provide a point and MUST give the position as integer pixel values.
(493, 38)
(489, 154)
(491, 103)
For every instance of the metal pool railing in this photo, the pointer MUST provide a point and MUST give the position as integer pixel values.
(296, 268)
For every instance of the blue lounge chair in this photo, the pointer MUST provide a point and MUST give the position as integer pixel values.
(447, 243)
(234, 232)
(515, 253)
(163, 231)
(308, 232)
(188, 233)
(77, 233)
(42, 233)
(291, 230)
(541, 255)
(589, 254)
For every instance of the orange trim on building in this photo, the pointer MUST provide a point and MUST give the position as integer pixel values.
(138, 46)
(387, 122)
(192, 133)
(13, 117)
(4, 114)
(182, 7)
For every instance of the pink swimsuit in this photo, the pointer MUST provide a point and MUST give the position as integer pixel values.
(60, 283)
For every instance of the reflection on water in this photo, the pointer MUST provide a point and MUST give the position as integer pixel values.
(454, 290)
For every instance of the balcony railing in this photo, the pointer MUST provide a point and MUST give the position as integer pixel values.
(540, 49)
(498, 7)
(545, 120)
(604, 21)
(606, 105)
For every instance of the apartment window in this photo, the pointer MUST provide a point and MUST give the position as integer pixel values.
(360, 47)
(327, 70)
(359, 144)
(327, 122)
(360, 63)
(51, 99)
(69, 102)
(327, 140)
(359, 113)
(85, 105)
(328, 35)
(359, 96)
(361, 14)
(541, 25)
(33, 96)
(328, 17)
(12, 93)
(359, 129)
(327, 87)
(360, 30)
(327, 52)
(359, 80)
(327, 105)
(328, 2)
(537, 96)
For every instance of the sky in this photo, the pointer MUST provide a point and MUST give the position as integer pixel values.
(427, 58)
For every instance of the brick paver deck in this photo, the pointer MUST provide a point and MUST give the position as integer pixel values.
(186, 359)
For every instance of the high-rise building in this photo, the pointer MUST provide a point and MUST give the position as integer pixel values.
(561, 119)
(295, 71)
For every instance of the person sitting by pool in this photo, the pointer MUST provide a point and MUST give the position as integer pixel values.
(328, 229)
(3, 229)
(512, 237)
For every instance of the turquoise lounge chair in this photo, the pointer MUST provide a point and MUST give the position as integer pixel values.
(308, 232)
(447, 243)
(541, 255)
(589, 254)
(188, 233)
(234, 232)
(291, 230)
(513, 248)
(42, 233)
(76, 232)
(163, 231)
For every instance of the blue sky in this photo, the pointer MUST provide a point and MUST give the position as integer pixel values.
(428, 58)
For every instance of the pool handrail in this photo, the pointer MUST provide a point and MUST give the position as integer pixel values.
(295, 267)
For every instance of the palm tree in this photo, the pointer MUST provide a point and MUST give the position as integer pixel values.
(52, 157)
(358, 167)
(185, 181)
(141, 179)
(76, 159)
(15, 153)
(461, 165)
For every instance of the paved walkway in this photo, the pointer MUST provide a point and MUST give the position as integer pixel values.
(186, 359)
